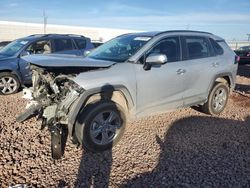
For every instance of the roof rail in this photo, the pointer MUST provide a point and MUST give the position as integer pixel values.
(36, 35)
(55, 34)
(186, 31)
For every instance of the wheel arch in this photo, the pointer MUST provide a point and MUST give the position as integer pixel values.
(223, 77)
(12, 72)
(120, 95)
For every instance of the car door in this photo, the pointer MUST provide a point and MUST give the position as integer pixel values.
(201, 67)
(37, 47)
(161, 88)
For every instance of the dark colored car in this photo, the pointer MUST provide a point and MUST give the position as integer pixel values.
(4, 43)
(244, 54)
(14, 71)
(97, 44)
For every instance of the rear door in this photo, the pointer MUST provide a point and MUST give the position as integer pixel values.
(201, 67)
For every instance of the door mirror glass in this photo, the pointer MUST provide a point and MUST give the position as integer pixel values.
(86, 53)
(156, 59)
(25, 53)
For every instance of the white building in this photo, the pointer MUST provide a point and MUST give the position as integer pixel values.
(13, 30)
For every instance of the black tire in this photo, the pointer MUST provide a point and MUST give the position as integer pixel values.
(85, 122)
(209, 107)
(13, 86)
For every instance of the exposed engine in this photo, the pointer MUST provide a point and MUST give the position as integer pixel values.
(51, 97)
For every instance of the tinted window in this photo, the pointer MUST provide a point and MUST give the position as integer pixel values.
(197, 47)
(63, 44)
(169, 47)
(217, 48)
(80, 43)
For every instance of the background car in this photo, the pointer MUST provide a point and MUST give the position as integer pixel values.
(14, 71)
(244, 53)
(4, 43)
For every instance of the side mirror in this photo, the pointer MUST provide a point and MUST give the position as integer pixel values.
(86, 53)
(156, 59)
(25, 53)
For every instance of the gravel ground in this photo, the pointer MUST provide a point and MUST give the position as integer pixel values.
(183, 148)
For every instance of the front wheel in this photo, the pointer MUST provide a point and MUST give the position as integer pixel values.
(217, 99)
(9, 83)
(100, 125)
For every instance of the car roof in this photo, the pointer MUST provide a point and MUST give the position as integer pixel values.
(157, 33)
(40, 36)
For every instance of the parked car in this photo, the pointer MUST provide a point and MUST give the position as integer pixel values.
(244, 54)
(97, 43)
(13, 69)
(132, 75)
(4, 43)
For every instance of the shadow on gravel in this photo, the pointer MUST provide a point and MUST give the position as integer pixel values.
(201, 151)
(94, 169)
(244, 70)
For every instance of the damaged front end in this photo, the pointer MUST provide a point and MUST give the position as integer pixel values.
(51, 97)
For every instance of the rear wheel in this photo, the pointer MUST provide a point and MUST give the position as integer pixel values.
(100, 125)
(9, 83)
(217, 99)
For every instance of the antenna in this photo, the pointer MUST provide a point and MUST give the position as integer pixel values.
(44, 21)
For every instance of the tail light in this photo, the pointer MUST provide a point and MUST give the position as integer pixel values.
(237, 59)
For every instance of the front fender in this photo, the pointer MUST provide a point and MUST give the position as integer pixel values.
(13, 69)
(81, 102)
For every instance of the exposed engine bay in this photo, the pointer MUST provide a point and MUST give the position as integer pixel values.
(51, 96)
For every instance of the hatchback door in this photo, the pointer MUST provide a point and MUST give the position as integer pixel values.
(161, 88)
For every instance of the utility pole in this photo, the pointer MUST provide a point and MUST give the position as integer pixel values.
(44, 21)
(248, 35)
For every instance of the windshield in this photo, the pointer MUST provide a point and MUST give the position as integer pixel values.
(119, 49)
(12, 48)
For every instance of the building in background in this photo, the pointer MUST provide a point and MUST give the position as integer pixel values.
(13, 30)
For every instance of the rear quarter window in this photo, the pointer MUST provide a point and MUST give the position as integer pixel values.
(217, 48)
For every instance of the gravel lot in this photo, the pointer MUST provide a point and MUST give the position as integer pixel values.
(183, 148)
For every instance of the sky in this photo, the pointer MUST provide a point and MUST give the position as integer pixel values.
(227, 18)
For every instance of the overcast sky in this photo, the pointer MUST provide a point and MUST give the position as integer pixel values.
(227, 18)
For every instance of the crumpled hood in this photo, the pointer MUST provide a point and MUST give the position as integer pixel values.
(55, 60)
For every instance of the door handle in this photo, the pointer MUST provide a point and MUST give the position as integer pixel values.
(215, 64)
(180, 71)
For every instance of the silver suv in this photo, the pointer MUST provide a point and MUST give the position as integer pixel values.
(132, 75)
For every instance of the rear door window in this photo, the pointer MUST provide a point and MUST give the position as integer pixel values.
(63, 45)
(80, 43)
(197, 47)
